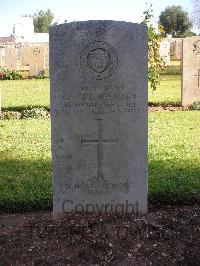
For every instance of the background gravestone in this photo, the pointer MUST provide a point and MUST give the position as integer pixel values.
(36, 60)
(46, 50)
(190, 71)
(21, 57)
(2, 58)
(98, 75)
(11, 61)
(25, 56)
(176, 48)
(164, 51)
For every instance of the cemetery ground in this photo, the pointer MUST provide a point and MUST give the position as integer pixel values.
(169, 233)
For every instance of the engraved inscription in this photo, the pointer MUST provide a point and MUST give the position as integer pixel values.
(98, 60)
(99, 100)
(36, 51)
(99, 188)
(99, 142)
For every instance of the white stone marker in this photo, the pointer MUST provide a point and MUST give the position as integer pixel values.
(190, 71)
(36, 60)
(11, 61)
(165, 51)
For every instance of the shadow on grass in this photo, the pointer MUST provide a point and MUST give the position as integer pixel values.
(172, 181)
(47, 108)
(164, 104)
(23, 107)
(27, 185)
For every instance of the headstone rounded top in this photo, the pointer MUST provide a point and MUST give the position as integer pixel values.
(96, 27)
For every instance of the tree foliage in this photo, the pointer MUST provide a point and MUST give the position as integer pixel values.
(155, 61)
(188, 34)
(42, 20)
(175, 21)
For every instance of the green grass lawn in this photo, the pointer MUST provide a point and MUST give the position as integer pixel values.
(25, 170)
(25, 160)
(25, 94)
(174, 156)
(168, 92)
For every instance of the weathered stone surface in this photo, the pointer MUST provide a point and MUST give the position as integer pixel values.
(99, 116)
(190, 71)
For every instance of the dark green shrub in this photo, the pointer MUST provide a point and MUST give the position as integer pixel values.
(25, 114)
(6, 74)
(8, 115)
(195, 106)
(44, 74)
(171, 70)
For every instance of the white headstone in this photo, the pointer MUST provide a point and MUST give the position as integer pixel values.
(165, 51)
(190, 71)
(2, 58)
(36, 60)
(11, 58)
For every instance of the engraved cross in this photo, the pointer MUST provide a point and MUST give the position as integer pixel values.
(99, 141)
(198, 76)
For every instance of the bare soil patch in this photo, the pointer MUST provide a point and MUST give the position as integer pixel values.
(167, 235)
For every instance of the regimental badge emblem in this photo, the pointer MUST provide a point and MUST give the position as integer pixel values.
(196, 47)
(98, 60)
(36, 51)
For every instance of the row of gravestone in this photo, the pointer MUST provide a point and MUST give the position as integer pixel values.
(171, 49)
(32, 58)
(99, 112)
(36, 59)
(189, 50)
